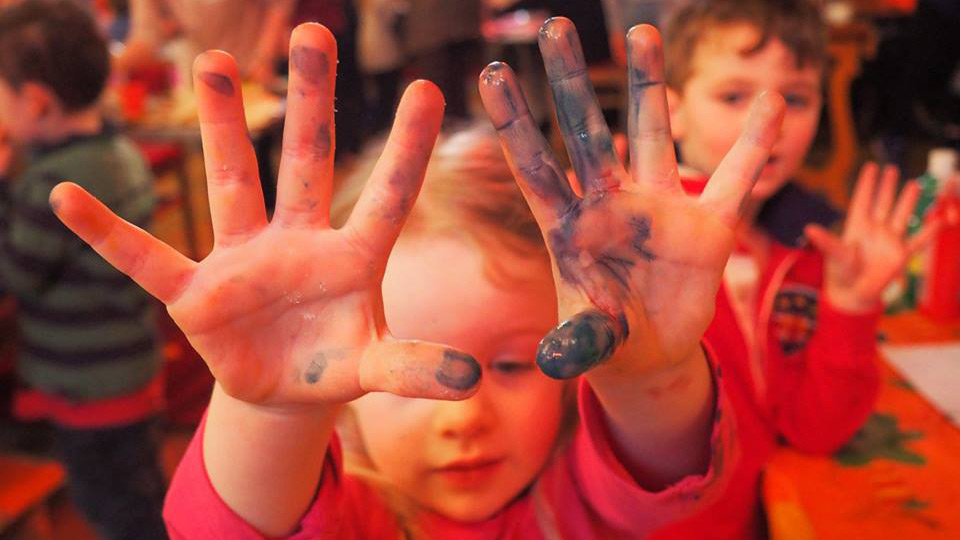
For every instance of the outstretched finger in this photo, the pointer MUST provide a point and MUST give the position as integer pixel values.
(924, 236)
(585, 132)
(886, 194)
(236, 202)
(419, 369)
(825, 241)
(155, 266)
(903, 210)
(396, 180)
(304, 182)
(740, 169)
(652, 156)
(578, 345)
(863, 193)
(539, 175)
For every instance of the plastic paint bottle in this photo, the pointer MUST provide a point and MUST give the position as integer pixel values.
(941, 165)
(940, 295)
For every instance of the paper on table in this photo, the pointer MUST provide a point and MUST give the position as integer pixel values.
(934, 370)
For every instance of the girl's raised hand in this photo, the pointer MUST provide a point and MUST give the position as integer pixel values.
(289, 312)
(637, 262)
(873, 248)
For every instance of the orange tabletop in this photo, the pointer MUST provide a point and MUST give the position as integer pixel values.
(899, 478)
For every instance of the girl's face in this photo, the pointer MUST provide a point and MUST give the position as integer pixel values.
(466, 460)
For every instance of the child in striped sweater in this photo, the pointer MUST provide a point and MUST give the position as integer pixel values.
(87, 353)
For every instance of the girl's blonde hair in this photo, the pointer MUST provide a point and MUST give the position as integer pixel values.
(468, 193)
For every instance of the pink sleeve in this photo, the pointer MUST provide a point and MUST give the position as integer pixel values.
(616, 497)
(828, 392)
(194, 511)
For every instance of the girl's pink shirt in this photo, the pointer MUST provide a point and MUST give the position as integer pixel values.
(583, 493)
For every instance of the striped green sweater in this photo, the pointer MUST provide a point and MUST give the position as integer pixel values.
(86, 330)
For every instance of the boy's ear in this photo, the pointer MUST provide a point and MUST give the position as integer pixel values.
(37, 99)
(678, 121)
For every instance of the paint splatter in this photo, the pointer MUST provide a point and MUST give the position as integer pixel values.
(311, 63)
(318, 364)
(218, 82)
(641, 235)
(579, 344)
(322, 141)
(458, 371)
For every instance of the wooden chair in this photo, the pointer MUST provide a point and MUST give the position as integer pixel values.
(26, 486)
(170, 157)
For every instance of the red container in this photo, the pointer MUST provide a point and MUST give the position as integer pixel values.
(940, 298)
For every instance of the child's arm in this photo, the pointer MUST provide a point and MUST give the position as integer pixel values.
(824, 397)
(146, 29)
(32, 241)
(269, 43)
(6, 153)
(637, 263)
(287, 314)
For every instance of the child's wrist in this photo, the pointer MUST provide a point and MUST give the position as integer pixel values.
(638, 365)
(295, 412)
(851, 301)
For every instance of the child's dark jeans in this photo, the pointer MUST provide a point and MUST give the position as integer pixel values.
(115, 478)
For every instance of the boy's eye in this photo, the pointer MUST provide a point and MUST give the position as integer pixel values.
(797, 101)
(512, 367)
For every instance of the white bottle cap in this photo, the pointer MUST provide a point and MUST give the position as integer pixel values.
(942, 163)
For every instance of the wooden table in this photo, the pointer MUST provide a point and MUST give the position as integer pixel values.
(170, 130)
(898, 479)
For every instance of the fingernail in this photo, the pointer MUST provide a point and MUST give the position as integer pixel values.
(578, 345)
(458, 371)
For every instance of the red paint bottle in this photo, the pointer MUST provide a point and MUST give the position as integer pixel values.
(940, 296)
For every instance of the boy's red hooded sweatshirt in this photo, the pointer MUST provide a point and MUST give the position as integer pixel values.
(809, 378)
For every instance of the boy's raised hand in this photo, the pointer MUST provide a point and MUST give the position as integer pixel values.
(873, 248)
(637, 262)
(289, 312)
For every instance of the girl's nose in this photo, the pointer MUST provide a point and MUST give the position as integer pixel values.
(469, 418)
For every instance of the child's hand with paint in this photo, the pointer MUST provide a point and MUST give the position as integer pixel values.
(288, 313)
(637, 262)
(873, 248)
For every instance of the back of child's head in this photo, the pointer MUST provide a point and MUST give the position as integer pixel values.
(798, 24)
(55, 43)
(468, 192)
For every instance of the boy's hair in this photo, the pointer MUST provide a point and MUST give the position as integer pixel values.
(799, 24)
(55, 43)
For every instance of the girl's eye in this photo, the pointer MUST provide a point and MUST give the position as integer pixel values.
(512, 367)
(733, 98)
(797, 101)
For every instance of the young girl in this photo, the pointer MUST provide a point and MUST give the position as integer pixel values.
(292, 317)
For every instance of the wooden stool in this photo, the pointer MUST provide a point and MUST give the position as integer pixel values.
(26, 485)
